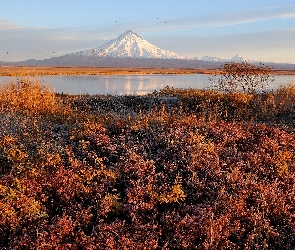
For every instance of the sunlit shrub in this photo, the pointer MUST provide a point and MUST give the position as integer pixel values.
(176, 194)
(27, 94)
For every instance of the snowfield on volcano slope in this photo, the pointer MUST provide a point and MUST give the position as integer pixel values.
(131, 45)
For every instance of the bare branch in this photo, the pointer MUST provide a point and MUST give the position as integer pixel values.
(243, 76)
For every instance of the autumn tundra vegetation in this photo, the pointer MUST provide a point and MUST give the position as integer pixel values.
(174, 169)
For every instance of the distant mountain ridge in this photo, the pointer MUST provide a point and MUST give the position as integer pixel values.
(217, 59)
(130, 50)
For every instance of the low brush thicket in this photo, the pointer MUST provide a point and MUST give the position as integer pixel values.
(176, 169)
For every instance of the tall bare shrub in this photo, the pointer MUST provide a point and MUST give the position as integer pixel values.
(243, 76)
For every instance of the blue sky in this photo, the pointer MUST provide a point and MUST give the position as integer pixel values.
(256, 29)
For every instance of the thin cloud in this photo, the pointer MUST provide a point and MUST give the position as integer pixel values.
(6, 25)
(172, 24)
(26, 43)
(216, 20)
(241, 17)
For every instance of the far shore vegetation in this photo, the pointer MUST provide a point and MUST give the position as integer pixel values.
(34, 71)
(173, 169)
(42, 71)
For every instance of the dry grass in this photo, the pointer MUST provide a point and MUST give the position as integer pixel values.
(33, 71)
(28, 95)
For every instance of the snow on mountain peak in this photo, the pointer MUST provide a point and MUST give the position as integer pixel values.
(235, 58)
(131, 45)
(239, 59)
(128, 33)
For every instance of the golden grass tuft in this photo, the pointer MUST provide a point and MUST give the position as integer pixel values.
(27, 94)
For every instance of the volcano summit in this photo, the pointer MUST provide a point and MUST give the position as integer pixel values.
(129, 45)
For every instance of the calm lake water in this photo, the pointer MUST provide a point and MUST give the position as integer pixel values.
(132, 84)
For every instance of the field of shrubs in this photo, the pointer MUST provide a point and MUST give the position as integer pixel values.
(174, 169)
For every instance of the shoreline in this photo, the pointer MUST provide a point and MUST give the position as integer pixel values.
(44, 71)
(47, 71)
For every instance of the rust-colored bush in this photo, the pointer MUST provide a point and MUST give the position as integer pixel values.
(152, 178)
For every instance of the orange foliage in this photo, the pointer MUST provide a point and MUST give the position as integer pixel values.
(204, 172)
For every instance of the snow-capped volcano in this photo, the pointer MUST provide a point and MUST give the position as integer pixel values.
(129, 45)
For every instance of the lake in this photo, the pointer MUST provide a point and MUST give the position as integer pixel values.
(133, 84)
